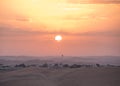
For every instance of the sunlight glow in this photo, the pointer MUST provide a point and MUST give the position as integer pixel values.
(58, 38)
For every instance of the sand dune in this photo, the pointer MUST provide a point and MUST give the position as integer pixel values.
(61, 77)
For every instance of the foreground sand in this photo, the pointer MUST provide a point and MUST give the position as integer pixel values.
(61, 77)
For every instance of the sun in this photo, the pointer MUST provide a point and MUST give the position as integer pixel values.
(58, 38)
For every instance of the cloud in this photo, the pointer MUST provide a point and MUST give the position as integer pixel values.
(85, 17)
(11, 32)
(16, 17)
(22, 18)
(100, 33)
(94, 1)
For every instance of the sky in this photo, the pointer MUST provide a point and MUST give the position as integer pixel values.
(87, 27)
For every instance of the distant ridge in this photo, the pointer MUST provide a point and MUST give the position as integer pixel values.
(66, 59)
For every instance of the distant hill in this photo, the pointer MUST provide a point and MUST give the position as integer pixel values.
(11, 60)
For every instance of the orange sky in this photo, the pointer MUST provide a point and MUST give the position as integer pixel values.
(28, 27)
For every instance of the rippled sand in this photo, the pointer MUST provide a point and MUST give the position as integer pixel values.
(61, 77)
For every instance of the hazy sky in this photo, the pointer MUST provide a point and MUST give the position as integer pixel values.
(28, 27)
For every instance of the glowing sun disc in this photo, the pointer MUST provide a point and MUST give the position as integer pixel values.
(58, 38)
